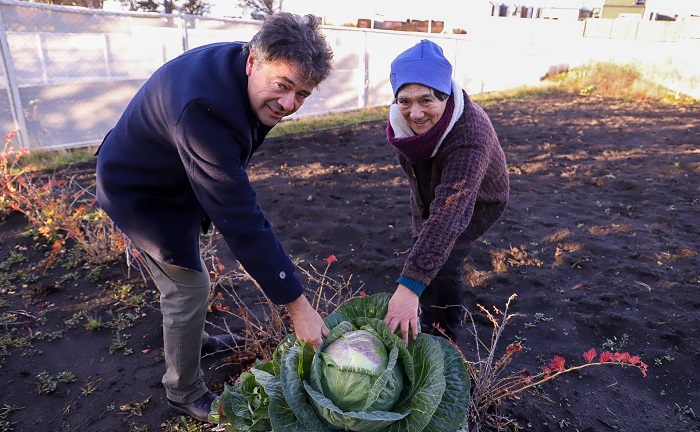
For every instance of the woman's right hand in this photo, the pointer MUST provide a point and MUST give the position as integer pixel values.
(403, 313)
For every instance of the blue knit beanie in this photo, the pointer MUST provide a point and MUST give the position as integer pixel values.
(423, 63)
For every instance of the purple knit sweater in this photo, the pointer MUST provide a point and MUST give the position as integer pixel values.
(457, 195)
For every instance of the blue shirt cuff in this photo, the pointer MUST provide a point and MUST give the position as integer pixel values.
(411, 284)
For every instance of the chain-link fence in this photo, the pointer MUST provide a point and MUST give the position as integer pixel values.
(69, 72)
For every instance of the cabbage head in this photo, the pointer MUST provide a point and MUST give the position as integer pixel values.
(357, 364)
(362, 378)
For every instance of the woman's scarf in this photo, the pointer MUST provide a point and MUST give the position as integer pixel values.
(420, 148)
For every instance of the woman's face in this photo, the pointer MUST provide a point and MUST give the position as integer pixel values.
(420, 107)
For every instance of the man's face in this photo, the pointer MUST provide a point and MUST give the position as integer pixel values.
(275, 89)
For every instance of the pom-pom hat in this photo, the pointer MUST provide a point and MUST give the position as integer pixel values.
(423, 63)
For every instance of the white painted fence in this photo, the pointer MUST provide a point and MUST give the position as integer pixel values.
(69, 72)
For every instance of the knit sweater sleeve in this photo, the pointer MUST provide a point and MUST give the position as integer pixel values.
(463, 162)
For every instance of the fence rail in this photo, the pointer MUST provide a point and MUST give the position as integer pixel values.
(68, 73)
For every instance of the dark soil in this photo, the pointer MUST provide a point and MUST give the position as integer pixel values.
(600, 243)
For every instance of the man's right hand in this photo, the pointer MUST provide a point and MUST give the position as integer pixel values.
(308, 324)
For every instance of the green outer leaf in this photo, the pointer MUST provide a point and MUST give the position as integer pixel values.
(224, 401)
(252, 413)
(307, 356)
(365, 421)
(293, 395)
(267, 366)
(214, 416)
(374, 306)
(244, 406)
(427, 389)
(383, 396)
(285, 345)
(281, 415)
(455, 401)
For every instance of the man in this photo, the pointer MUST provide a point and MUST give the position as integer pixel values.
(176, 161)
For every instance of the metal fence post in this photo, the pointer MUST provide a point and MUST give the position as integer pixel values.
(185, 36)
(364, 96)
(12, 88)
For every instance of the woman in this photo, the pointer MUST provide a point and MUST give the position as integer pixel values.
(458, 181)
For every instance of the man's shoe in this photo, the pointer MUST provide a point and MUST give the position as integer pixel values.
(223, 342)
(198, 409)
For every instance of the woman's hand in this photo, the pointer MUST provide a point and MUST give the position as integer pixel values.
(403, 313)
(308, 324)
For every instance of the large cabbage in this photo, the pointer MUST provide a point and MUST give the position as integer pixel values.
(362, 378)
(357, 364)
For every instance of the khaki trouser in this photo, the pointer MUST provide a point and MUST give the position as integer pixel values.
(184, 294)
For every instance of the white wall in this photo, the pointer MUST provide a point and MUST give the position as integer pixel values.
(85, 65)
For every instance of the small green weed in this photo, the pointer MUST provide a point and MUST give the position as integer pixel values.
(119, 343)
(665, 359)
(616, 345)
(134, 408)
(124, 320)
(187, 424)
(129, 296)
(94, 275)
(6, 425)
(685, 411)
(48, 384)
(93, 323)
(75, 319)
(90, 387)
(14, 258)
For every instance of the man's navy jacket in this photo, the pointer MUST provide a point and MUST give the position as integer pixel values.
(177, 159)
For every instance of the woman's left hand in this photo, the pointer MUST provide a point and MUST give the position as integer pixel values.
(403, 313)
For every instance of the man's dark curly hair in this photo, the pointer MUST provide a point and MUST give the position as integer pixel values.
(295, 39)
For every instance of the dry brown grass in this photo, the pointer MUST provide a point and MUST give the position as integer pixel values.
(615, 81)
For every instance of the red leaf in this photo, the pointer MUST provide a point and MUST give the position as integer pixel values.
(514, 348)
(331, 259)
(557, 363)
(590, 355)
(605, 356)
(10, 135)
(643, 367)
(621, 357)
